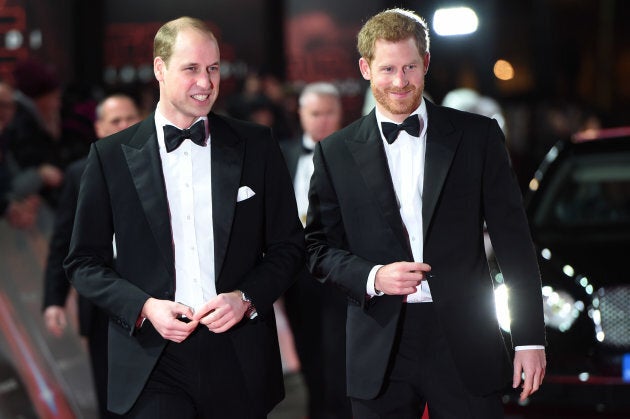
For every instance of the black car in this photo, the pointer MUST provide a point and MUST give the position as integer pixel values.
(578, 205)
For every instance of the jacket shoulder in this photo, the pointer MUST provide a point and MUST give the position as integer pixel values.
(124, 136)
(456, 116)
(241, 128)
(349, 131)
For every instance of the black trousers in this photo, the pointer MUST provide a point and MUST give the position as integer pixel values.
(422, 372)
(197, 378)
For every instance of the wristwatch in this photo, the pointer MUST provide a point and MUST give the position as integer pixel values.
(250, 312)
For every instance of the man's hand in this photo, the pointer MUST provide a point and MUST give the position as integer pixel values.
(163, 316)
(222, 312)
(400, 278)
(531, 363)
(55, 320)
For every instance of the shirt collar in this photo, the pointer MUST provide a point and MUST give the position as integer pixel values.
(421, 111)
(160, 121)
(307, 142)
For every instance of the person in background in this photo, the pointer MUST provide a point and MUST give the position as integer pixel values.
(38, 140)
(20, 210)
(398, 201)
(114, 113)
(207, 239)
(315, 310)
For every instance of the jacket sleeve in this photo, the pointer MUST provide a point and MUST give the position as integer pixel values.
(327, 258)
(511, 239)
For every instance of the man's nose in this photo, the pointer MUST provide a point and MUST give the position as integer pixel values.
(204, 81)
(400, 78)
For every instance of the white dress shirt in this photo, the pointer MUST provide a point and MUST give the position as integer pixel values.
(187, 177)
(302, 180)
(405, 158)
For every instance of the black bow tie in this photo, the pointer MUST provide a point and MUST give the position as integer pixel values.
(411, 125)
(174, 137)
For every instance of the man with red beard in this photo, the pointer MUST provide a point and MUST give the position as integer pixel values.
(397, 205)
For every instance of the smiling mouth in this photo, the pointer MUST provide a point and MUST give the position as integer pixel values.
(200, 97)
(401, 92)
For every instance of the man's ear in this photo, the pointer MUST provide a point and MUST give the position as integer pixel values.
(158, 68)
(364, 66)
(427, 58)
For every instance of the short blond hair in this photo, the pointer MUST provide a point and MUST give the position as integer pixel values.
(393, 25)
(167, 35)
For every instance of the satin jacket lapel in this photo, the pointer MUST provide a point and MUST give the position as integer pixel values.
(227, 163)
(369, 154)
(442, 142)
(143, 158)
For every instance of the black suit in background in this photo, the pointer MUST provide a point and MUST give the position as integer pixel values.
(317, 315)
(92, 321)
(354, 223)
(258, 248)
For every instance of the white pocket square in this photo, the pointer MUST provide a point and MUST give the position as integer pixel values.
(244, 192)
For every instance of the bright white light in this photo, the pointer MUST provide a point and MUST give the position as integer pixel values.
(546, 253)
(501, 304)
(568, 270)
(455, 21)
(560, 309)
(13, 39)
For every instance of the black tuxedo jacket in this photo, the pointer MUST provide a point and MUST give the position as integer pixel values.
(56, 284)
(258, 247)
(354, 223)
(292, 151)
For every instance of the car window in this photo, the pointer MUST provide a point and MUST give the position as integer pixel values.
(587, 190)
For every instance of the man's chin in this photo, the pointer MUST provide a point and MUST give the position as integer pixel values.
(401, 109)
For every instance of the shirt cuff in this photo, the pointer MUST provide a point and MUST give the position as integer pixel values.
(140, 321)
(524, 347)
(369, 288)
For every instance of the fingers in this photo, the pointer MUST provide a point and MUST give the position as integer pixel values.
(163, 316)
(178, 331)
(224, 312)
(401, 278)
(529, 367)
(418, 267)
(532, 384)
(220, 319)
